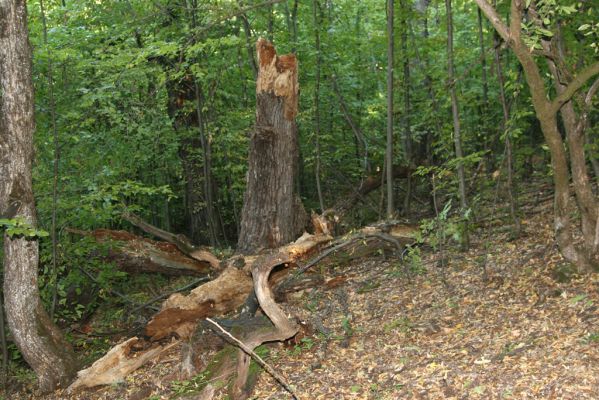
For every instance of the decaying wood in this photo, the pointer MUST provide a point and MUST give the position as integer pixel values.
(135, 254)
(181, 314)
(272, 213)
(181, 241)
(119, 362)
(278, 75)
(255, 356)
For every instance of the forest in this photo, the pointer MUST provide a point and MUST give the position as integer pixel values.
(304, 199)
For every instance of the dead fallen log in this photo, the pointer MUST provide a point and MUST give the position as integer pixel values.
(135, 254)
(181, 314)
(180, 241)
(119, 362)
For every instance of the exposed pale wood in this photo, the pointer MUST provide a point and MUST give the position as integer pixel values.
(181, 241)
(136, 254)
(119, 362)
(180, 313)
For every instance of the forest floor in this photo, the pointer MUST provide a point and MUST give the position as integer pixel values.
(507, 319)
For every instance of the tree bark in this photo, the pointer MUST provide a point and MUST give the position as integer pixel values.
(546, 112)
(39, 340)
(272, 213)
(407, 128)
(389, 147)
(457, 135)
(508, 142)
(316, 20)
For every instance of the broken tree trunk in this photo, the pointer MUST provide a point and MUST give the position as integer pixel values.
(181, 314)
(272, 212)
(181, 241)
(135, 254)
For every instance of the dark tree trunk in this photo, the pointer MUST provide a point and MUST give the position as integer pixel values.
(316, 19)
(457, 135)
(389, 147)
(511, 192)
(272, 213)
(36, 336)
(407, 131)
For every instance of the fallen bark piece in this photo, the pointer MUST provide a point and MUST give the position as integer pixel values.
(119, 362)
(135, 254)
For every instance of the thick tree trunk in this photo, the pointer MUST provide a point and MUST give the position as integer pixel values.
(36, 336)
(271, 206)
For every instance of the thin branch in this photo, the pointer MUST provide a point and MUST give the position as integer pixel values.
(494, 18)
(240, 12)
(516, 21)
(256, 357)
(347, 242)
(579, 81)
(589, 97)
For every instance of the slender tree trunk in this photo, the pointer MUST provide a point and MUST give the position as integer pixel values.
(211, 218)
(407, 133)
(485, 105)
(316, 21)
(55, 164)
(511, 189)
(457, 135)
(39, 340)
(272, 213)
(483, 60)
(271, 22)
(546, 112)
(389, 149)
(294, 26)
(3, 344)
(587, 202)
(248, 40)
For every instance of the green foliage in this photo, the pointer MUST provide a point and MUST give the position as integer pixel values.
(20, 227)
(436, 231)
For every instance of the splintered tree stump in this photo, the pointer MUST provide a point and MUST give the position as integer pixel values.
(272, 213)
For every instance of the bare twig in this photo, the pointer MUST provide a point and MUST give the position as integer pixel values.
(256, 357)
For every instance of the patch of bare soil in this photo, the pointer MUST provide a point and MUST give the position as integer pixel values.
(507, 319)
